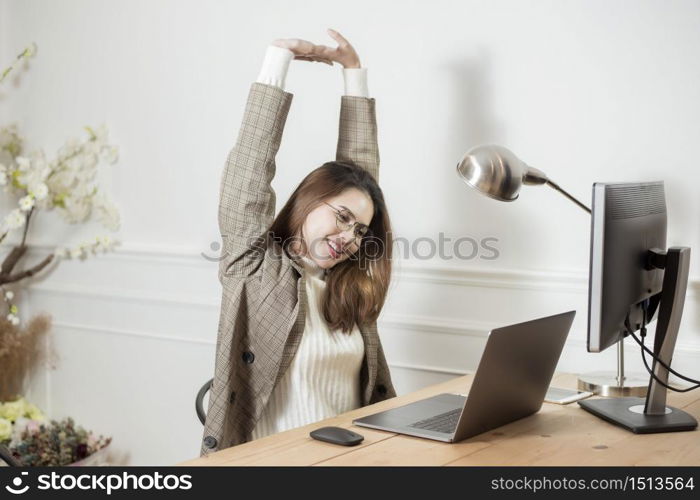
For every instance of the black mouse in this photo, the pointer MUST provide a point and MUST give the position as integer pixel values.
(337, 435)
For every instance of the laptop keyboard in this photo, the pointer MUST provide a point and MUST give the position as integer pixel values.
(444, 422)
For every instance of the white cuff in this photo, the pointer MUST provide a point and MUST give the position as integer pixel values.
(275, 65)
(355, 81)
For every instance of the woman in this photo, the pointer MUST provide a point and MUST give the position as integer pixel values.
(297, 339)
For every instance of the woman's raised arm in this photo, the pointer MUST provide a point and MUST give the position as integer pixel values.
(357, 131)
(357, 134)
(246, 197)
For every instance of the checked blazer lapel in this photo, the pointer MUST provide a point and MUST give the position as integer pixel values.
(368, 374)
(297, 328)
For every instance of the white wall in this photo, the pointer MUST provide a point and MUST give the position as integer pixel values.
(586, 91)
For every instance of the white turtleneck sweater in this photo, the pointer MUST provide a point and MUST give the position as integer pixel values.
(323, 379)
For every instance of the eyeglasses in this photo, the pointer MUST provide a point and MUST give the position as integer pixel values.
(344, 220)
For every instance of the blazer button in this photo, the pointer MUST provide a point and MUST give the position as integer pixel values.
(248, 357)
(381, 389)
(210, 442)
(232, 397)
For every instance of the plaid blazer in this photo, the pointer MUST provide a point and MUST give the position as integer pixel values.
(264, 301)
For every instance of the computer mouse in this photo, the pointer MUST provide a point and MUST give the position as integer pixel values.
(337, 435)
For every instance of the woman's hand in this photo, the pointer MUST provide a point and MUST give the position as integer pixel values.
(304, 50)
(344, 53)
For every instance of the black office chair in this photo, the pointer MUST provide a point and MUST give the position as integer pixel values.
(7, 457)
(198, 402)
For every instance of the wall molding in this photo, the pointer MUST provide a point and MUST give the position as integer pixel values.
(161, 254)
(521, 279)
(126, 295)
(421, 324)
(421, 272)
(427, 272)
(448, 326)
(67, 328)
(429, 369)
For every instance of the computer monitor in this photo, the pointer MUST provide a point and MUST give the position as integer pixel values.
(627, 220)
(631, 274)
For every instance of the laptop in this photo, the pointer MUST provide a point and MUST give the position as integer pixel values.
(510, 383)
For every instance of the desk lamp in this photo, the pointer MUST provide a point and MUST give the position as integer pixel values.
(498, 173)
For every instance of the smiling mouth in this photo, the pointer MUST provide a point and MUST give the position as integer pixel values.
(333, 251)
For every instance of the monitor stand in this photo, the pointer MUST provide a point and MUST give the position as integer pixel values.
(650, 414)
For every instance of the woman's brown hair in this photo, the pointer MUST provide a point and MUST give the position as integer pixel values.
(356, 288)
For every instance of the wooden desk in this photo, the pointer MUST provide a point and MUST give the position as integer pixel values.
(556, 435)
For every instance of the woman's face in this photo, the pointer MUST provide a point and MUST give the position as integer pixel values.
(320, 230)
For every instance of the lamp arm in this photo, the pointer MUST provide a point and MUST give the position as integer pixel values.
(556, 186)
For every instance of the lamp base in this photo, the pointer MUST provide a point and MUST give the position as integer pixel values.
(606, 384)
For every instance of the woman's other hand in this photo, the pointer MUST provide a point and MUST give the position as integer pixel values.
(302, 49)
(344, 53)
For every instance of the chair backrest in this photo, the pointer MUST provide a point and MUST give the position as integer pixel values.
(198, 402)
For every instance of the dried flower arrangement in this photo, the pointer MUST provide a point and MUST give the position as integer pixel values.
(55, 444)
(21, 352)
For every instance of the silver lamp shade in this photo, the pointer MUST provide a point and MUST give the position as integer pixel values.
(496, 172)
